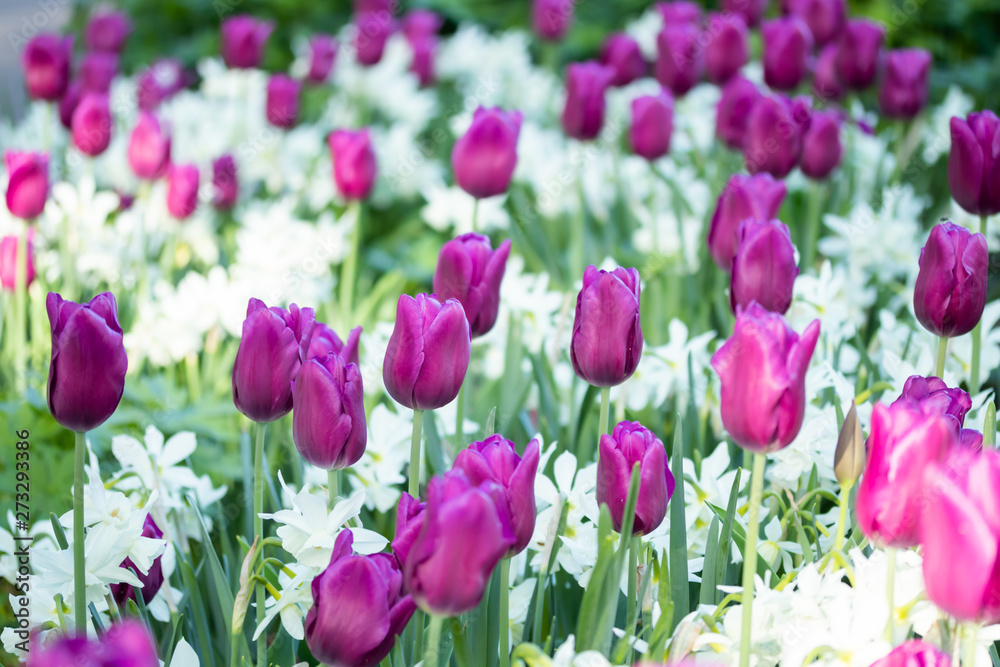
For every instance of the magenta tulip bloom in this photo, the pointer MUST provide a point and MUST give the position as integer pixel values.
(484, 158)
(421, 23)
(45, 62)
(151, 580)
(652, 125)
(87, 373)
(551, 19)
(751, 10)
(914, 653)
(469, 270)
(372, 31)
(680, 60)
(622, 53)
(826, 86)
(107, 31)
(950, 293)
(149, 147)
(124, 644)
(788, 43)
(68, 104)
(8, 260)
(325, 341)
(409, 521)
(358, 607)
(904, 84)
(825, 18)
(243, 41)
(97, 70)
(322, 54)
(272, 350)
(728, 46)
(182, 190)
(763, 372)
(354, 168)
(586, 83)
(858, 53)
(738, 97)
(775, 130)
(607, 337)
(821, 148)
(428, 352)
(495, 460)
(764, 268)
(424, 53)
(328, 424)
(283, 101)
(628, 444)
(755, 197)
(225, 183)
(974, 165)
(27, 183)
(932, 396)
(92, 124)
(680, 11)
(465, 533)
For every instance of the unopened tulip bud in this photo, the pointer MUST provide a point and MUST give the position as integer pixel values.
(469, 270)
(484, 158)
(243, 41)
(9, 246)
(775, 130)
(45, 62)
(973, 173)
(354, 167)
(849, 459)
(680, 11)
(825, 18)
(904, 83)
(631, 443)
(325, 341)
(744, 197)
(652, 125)
(283, 101)
(764, 268)
(92, 124)
(182, 190)
(583, 114)
(551, 19)
(97, 70)
(107, 31)
(680, 59)
(371, 33)
(149, 147)
(27, 183)
(322, 53)
(225, 183)
(826, 84)
(329, 427)
(751, 10)
(623, 54)
(606, 343)
(858, 53)
(788, 44)
(950, 293)
(821, 147)
(738, 97)
(728, 46)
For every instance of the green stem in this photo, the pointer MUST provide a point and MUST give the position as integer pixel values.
(845, 495)
(634, 547)
(348, 274)
(333, 486)
(21, 309)
(602, 425)
(475, 214)
(942, 354)
(977, 333)
(460, 417)
(414, 482)
(812, 231)
(258, 532)
(433, 645)
(79, 564)
(890, 592)
(505, 612)
(750, 554)
(969, 632)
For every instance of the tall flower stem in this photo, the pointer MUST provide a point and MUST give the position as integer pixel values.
(414, 481)
(460, 417)
(816, 193)
(631, 598)
(433, 645)
(21, 309)
(845, 495)
(942, 354)
(890, 591)
(977, 334)
(750, 554)
(348, 274)
(79, 564)
(475, 214)
(258, 532)
(333, 486)
(605, 409)
(969, 632)
(505, 612)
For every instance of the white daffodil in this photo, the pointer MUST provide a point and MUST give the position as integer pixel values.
(292, 604)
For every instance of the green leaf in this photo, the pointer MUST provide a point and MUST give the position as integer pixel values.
(990, 426)
(723, 566)
(678, 530)
(433, 453)
(593, 596)
(548, 408)
(739, 537)
(58, 531)
(196, 605)
(709, 574)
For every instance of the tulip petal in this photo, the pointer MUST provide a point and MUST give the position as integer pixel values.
(965, 166)
(446, 349)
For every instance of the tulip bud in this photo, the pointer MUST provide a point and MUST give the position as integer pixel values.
(903, 442)
(45, 62)
(182, 190)
(751, 10)
(124, 644)
(465, 534)
(162, 80)
(372, 32)
(931, 395)
(97, 70)
(424, 50)
(826, 86)
(243, 41)
(469, 270)
(950, 293)
(628, 444)
(904, 84)
(354, 168)
(764, 269)
(607, 337)
(763, 372)
(224, 182)
(787, 47)
(107, 31)
(914, 653)
(326, 341)
(825, 18)
(728, 47)
(87, 372)
(849, 459)
(551, 19)
(27, 183)
(652, 125)
(409, 522)
(738, 97)
(68, 103)
(495, 460)
(821, 149)
(858, 53)
(149, 147)
(8, 260)
(774, 134)
(680, 59)
(328, 425)
(151, 580)
(583, 115)
(322, 54)
(973, 173)
(92, 124)
(282, 101)
(680, 11)
(428, 352)
(421, 23)
(272, 350)
(622, 53)
(754, 197)
(358, 607)
(484, 158)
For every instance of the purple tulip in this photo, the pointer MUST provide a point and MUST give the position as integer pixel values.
(607, 337)
(149, 147)
(751, 10)
(973, 165)
(68, 103)
(787, 47)
(428, 352)
(825, 18)
(495, 460)
(45, 62)
(680, 11)
(107, 31)
(826, 86)
(631, 443)
(92, 124)
(744, 197)
(931, 395)
(465, 533)
(652, 125)
(358, 607)
(622, 53)
(272, 350)
(551, 19)
(27, 183)
(182, 190)
(159, 82)
(680, 59)
(87, 373)
(322, 54)
(950, 293)
(728, 47)
(97, 70)
(8, 260)
(738, 97)
(124, 644)
(583, 115)
(858, 53)
(774, 134)
(372, 31)
(384, 6)
(151, 580)
(424, 52)
(470, 271)
(484, 158)
(764, 268)
(903, 442)
(763, 372)
(421, 23)
(328, 424)
(821, 148)
(409, 521)
(243, 41)
(225, 183)
(283, 101)
(326, 341)
(354, 167)
(904, 84)
(914, 653)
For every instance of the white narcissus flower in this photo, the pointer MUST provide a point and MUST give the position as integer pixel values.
(184, 656)
(294, 603)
